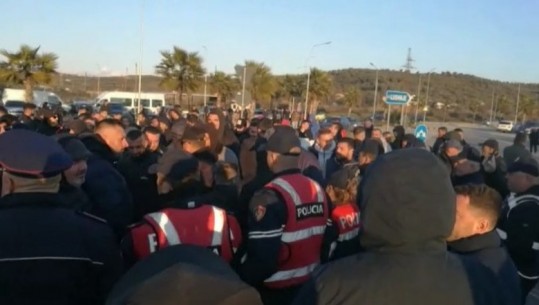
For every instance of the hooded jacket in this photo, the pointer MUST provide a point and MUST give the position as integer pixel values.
(182, 274)
(494, 172)
(406, 260)
(324, 156)
(225, 134)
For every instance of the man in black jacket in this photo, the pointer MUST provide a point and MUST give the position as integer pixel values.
(50, 253)
(404, 234)
(104, 184)
(134, 166)
(519, 224)
(474, 236)
(493, 167)
(436, 148)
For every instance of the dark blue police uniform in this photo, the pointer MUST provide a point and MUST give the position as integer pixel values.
(50, 254)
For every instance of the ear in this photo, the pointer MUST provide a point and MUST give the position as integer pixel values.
(482, 226)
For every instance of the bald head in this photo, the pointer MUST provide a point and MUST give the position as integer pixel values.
(113, 134)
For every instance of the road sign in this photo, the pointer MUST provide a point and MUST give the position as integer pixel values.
(397, 97)
(421, 132)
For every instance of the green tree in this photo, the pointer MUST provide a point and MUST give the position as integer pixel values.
(180, 70)
(226, 86)
(28, 68)
(262, 84)
(526, 108)
(319, 87)
(293, 85)
(352, 98)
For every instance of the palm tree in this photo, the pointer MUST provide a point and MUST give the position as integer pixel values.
(262, 84)
(319, 87)
(293, 85)
(224, 85)
(181, 70)
(28, 68)
(351, 98)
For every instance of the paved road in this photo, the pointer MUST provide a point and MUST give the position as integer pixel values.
(474, 134)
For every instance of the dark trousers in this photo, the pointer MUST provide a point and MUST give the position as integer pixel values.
(533, 148)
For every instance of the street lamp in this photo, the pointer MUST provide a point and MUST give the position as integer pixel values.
(427, 98)
(139, 106)
(375, 92)
(309, 73)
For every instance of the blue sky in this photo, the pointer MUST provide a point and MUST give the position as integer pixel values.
(496, 39)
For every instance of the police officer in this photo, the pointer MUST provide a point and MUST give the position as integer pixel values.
(186, 220)
(50, 253)
(286, 225)
(519, 224)
(342, 190)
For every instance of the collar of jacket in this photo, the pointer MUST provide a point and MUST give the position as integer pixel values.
(287, 172)
(31, 199)
(97, 146)
(475, 243)
(534, 190)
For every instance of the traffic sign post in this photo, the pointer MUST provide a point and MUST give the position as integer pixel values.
(421, 132)
(394, 97)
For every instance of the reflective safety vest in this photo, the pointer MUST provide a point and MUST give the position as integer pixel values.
(346, 217)
(303, 231)
(206, 226)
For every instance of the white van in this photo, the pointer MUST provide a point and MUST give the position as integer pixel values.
(40, 97)
(148, 101)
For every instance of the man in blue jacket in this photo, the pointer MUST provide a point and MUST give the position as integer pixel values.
(474, 236)
(105, 186)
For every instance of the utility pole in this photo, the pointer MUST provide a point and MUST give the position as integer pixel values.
(492, 105)
(417, 102)
(427, 98)
(243, 88)
(375, 93)
(139, 106)
(518, 102)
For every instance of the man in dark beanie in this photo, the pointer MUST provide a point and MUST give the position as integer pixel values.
(404, 235)
(493, 167)
(518, 226)
(74, 177)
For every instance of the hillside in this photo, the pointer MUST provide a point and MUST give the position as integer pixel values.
(463, 96)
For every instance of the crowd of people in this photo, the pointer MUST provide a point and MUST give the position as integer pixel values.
(215, 209)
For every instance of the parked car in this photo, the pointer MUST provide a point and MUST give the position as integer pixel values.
(344, 121)
(14, 107)
(505, 126)
(526, 127)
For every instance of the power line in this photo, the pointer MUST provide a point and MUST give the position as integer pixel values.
(408, 66)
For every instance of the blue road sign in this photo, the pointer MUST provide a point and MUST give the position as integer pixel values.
(397, 97)
(421, 132)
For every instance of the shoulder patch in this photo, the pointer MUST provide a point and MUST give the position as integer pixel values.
(91, 216)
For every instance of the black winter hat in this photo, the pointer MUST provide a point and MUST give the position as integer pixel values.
(528, 166)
